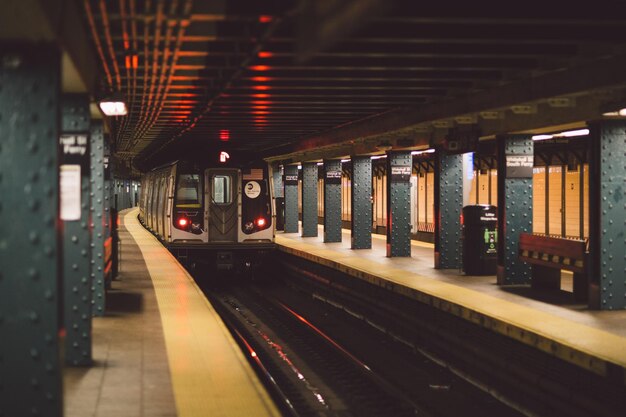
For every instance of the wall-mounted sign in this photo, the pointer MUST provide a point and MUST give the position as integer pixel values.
(519, 166)
(400, 173)
(291, 179)
(333, 177)
(69, 193)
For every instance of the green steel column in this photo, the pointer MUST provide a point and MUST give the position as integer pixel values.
(98, 218)
(74, 206)
(309, 199)
(399, 167)
(515, 205)
(30, 368)
(332, 200)
(361, 198)
(448, 204)
(291, 199)
(607, 205)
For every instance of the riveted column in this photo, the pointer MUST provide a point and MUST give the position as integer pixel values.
(309, 199)
(99, 287)
(607, 225)
(30, 371)
(75, 203)
(448, 204)
(399, 166)
(98, 219)
(291, 199)
(361, 199)
(279, 196)
(332, 200)
(515, 205)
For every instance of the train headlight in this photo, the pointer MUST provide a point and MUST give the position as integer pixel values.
(260, 222)
(183, 222)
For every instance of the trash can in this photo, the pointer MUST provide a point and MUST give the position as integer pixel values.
(480, 239)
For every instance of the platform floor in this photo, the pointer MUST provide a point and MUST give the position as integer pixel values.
(549, 320)
(161, 349)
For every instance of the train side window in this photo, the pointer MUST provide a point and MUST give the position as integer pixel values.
(188, 194)
(221, 191)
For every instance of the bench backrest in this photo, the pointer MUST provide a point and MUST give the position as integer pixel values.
(570, 253)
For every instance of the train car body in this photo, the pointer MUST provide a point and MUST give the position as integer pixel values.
(220, 215)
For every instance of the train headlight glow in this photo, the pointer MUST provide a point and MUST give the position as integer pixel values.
(183, 222)
(260, 222)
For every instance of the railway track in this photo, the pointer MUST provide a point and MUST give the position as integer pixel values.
(320, 361)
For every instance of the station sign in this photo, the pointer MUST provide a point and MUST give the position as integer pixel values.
(519, 166)
(400, 173)
(333, 177)
(291, 179)
(74, 165)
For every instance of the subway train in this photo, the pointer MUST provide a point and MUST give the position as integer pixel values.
(219, 215)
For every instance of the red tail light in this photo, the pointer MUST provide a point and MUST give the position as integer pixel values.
(260, 222)
(182, 222)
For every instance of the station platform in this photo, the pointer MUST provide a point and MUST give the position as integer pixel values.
(593, 340)
(161, 349)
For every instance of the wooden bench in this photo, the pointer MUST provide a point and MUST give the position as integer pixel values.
(548, 255)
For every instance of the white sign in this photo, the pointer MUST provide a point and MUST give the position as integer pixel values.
(252, 189)
(70, 192)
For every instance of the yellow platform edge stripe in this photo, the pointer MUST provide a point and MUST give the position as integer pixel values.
(573, 342)
(210, 375)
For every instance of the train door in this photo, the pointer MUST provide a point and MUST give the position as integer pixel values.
(221, 206)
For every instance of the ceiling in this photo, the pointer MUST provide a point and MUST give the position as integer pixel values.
(305, 79)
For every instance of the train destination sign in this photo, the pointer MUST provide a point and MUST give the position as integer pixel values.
(519, 166)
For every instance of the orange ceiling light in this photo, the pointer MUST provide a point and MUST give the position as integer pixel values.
(261, 87)
(265, 18)
(259, 68)
(261, 95)
(224, 135)
(265, 54)
(261, 79)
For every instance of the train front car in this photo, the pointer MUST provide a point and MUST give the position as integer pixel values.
(217, 216)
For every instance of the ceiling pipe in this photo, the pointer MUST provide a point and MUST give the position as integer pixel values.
(96, 39)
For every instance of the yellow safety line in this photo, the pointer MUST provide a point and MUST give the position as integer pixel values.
(210, 375)
(576, 343)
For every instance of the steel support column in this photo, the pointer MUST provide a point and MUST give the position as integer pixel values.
(291, 199)
(309, 199)
(332, 200)
(98, 217)
(515, 206)
(99, 288)
(279, 196)
(607, 215)
(30, 371)
(399, 167)
(75, 203)
(448, 204)
(361, 199)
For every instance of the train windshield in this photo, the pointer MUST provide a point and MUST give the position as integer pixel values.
(188, 191)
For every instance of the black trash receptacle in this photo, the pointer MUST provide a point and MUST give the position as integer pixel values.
(480, 238)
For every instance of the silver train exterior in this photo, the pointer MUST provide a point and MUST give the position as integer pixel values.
(220, 215)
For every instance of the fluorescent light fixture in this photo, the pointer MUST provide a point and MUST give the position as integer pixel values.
(542, 137)
(113, 106)
(566, 134)
(320, 164)
(345, 160)
(299, 166)
(620, 113)
(571, 133)
(422, 152)
(378, 156)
